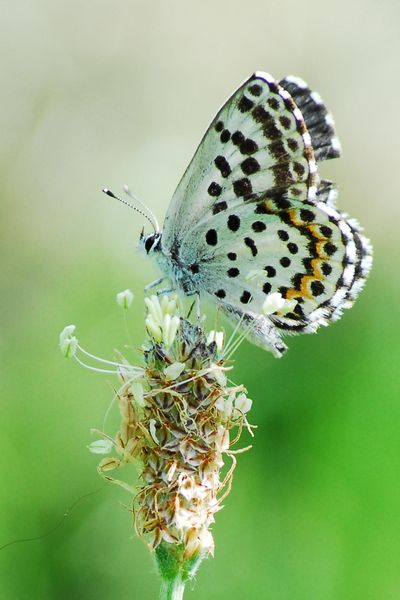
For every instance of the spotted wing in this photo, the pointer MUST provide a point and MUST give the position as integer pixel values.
(257, 143)
(250, 216)
(318, 119)
(306, 251)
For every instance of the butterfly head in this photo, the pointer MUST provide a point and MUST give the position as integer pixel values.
(150, 243)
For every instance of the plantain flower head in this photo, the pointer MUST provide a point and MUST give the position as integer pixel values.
(180, 417)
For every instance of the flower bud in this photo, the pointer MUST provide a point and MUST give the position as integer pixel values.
(173, 371)
(153, 328)
(108, 464)
(124, 299)
(68, 342)
(243, 403)
(137, 391)
(101, 446)
(218, 373)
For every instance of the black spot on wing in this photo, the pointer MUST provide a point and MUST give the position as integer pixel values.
(214, 189)
(293, 144)
(326, 231)
(245, 297)
(285, 261)
(273, 103)
(296, 280)
(282, 175)
(317, 288)
(282, 203)
(219, 207)
(299, 169)
(283, 235)
(250, 243)
(267, 287)
(223, 166)
(307, 215)
(326, 268)
(285, 121)
(307, 264)
(330, 248)
(242, 187)
(258, 226)
(245, 104)
(248, 146)
(233, 272)
(255, 89)
(212, 237)
(277, 149)
(233, 222)
(237, 138)
(267, 122)
(225, 136)
(271, 271)
(250, 166)
(262, 209)
(283, 290)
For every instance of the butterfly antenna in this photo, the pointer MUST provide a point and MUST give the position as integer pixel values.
(150, 212)
(145, 215)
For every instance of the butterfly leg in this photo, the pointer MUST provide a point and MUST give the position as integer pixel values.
(165, 291)
(197, 302)
(153, 284)
(198, 308)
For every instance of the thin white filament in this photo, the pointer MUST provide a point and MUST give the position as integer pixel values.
(143, 205)
(109, 362)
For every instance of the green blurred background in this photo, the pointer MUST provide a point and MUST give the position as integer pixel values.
(98, 93)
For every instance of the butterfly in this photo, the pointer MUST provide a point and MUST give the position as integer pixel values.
(252, 221)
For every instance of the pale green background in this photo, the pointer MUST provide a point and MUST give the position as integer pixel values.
(103, 93)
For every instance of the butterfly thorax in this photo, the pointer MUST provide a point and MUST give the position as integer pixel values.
(183, 275)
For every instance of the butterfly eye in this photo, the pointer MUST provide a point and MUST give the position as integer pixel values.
(149, 243)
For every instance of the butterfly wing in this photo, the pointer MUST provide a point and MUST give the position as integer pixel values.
(308, 252)
(257, 142)
(250, 216)
(318, 120)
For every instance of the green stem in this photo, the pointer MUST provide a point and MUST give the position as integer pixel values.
(172, 589)
(175, 569)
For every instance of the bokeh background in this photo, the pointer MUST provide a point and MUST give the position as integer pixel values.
(98, 93)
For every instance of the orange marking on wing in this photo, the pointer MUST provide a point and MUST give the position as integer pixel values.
(313, 229)
(269, 206)
(316, 275)
(304, 291)
(294, 294)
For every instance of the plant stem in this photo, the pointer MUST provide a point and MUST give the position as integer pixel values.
(175, 569)
(172, 589)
